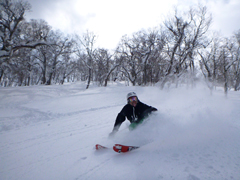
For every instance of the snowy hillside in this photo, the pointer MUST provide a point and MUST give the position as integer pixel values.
(49, 132)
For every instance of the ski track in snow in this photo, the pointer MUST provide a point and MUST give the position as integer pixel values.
(49, 132)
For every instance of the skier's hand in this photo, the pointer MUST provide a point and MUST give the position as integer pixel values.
(112, 133)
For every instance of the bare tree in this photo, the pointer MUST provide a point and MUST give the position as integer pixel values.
(13, 34)
(209, 62)
(220, 63)
(184, 36)
(60, 51)
(132, 67)
(236, 65)
(227, 60)
(85, 44)
(66, 69)
(105, 65)
(12, 14)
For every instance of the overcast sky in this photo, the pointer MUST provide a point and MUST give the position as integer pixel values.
(111, 19)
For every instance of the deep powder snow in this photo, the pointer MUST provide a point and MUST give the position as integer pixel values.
(49, 132)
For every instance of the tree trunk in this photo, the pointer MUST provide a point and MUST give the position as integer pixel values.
(89, 77)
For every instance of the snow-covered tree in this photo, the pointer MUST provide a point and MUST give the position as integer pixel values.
(13, 34)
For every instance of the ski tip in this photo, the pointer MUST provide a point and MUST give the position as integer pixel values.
(98, 147)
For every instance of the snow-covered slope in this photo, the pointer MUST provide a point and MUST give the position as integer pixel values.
(49, 132)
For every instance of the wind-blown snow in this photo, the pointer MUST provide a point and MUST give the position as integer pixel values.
(48, 132)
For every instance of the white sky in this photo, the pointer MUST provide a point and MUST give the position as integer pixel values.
(111, 19)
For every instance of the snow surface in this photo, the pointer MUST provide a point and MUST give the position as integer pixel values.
(49, 132)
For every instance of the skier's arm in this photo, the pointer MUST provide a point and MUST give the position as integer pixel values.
(119, 120)
(153, 109)
(148, 110)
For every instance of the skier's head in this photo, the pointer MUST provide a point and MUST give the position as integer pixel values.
(132, 98)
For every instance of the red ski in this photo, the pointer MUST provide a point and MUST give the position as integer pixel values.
(98, 147)
(122, 148)
(117, 148)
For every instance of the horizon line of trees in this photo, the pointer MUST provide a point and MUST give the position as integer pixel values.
(178, 51)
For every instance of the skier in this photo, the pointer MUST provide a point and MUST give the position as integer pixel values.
(134, 110)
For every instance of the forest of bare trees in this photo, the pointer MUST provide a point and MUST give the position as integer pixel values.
(181, 50)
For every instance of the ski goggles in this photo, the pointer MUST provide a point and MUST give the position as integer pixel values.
(131, 99)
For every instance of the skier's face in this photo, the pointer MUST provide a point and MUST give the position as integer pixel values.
(133, 101)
